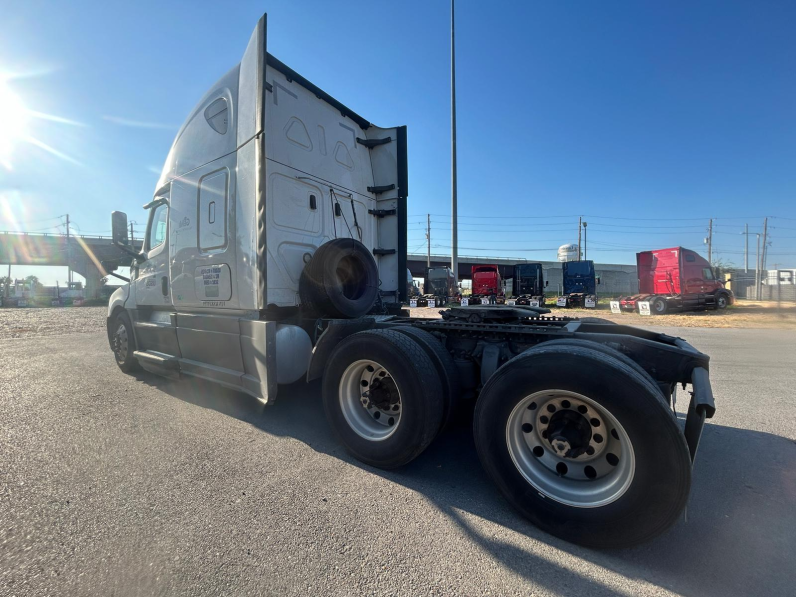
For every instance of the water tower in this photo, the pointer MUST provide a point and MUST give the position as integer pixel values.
(568, 252)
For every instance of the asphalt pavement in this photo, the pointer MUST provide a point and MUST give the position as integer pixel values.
(120, 485)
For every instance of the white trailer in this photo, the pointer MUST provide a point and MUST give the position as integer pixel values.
(275, 250)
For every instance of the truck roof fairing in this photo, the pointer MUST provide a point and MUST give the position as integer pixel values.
(230, 81)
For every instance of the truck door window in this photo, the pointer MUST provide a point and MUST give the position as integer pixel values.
(157, 226)
(707, 274)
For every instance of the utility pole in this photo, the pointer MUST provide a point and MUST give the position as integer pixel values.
(68, 254)
(710, 242)
(428, 238)
(746, 248)
(765, 244)
(580, 225)
(585, 253)
(757, 270)
(454, 205)
(762, 258)
(8, 281)
(132, 238)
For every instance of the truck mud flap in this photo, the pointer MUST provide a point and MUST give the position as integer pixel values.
(701, 407)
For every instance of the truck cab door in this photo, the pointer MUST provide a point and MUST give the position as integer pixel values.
(694, 285)
(152, 285)
(710, 284)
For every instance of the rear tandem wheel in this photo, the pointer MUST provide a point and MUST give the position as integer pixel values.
(383, 397)
(583, 446)
(445, 366)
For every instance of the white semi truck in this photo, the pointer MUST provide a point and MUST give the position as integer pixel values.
(275, 250)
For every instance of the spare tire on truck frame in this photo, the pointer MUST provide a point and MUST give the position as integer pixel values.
(340, 280)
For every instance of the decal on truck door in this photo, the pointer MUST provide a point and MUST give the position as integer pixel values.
(212, 283)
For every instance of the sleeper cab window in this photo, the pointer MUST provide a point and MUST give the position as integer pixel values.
(157, 231)
(212, 210)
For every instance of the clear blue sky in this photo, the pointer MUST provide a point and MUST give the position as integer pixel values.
(662, 113)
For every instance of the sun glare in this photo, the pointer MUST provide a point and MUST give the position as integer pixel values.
(19, 124)
(14, 119)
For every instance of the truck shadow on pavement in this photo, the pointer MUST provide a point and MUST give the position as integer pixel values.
(739, 537)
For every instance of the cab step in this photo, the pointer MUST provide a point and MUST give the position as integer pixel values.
(159, 363)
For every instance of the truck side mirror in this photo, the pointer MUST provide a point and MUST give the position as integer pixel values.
(119, 228)
(119, 236)
(546, 283)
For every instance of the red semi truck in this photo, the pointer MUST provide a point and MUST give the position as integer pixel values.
(676, 279)
(487, 283)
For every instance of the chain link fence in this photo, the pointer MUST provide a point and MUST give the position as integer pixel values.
(776, 285)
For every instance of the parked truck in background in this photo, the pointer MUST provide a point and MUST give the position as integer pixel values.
(412, 291)
(275, 251)
(528, 284)
(439, 285)
(487, 284)
(676, 279)
(579, 285)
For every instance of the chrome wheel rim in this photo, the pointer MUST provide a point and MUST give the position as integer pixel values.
(722, 302)
(660, 306)
(121, 342)
(548, 443)
(370, 400)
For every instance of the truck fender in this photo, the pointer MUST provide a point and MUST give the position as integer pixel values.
(118, 298)
(115, 305)
(334, 332)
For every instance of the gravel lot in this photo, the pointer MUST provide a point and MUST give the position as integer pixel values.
(35, 322)
(119, 485)
(29, 323)
(745, 314)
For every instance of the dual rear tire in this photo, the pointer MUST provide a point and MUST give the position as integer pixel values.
(383, 397)
(583, 446)
(577, 437)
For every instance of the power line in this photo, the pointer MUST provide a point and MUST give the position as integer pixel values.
(493, 248)
(602, 218)
(569, 229)
(54, 226)
(502, 217)
(38, 221)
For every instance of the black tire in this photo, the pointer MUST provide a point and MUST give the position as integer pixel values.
(659, 488)
(659, 306)
(419, 386)
(341, 280)
(722, 300)
(123, 344)
(445, 366)
(611, 352)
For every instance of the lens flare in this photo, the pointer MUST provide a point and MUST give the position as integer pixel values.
(14, 118)
(20, 124)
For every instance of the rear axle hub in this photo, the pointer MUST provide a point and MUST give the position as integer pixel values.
(569, 433)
